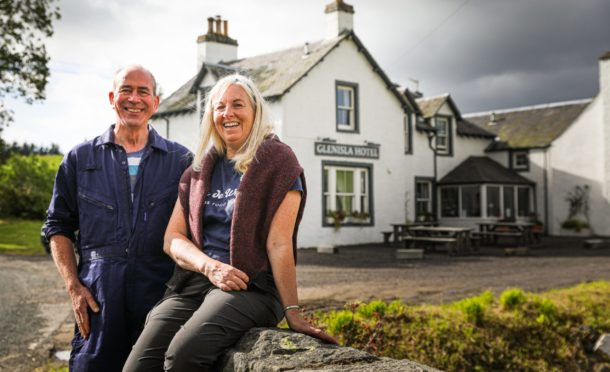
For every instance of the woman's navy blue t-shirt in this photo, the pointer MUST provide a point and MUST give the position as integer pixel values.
(218, 211)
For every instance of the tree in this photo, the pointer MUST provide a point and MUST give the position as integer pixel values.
(26, 185)
(23, 56)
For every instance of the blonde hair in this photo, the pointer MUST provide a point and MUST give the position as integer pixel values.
(261, 127)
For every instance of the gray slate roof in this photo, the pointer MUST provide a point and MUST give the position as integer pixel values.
(430, 106)
(481, 169)
(528, 127)
(274, 74)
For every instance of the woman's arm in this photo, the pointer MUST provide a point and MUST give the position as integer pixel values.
(281, 257)
(189, 257)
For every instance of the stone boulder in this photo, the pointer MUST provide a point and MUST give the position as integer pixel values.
(273, 349)
(603, 345)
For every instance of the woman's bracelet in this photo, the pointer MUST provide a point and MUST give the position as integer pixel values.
(291, 307)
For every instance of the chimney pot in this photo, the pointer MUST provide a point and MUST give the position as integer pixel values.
(226, 28)
(306, 49)
(218, 22)
(210, 25)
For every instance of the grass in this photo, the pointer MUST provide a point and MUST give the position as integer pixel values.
(550, 331)
(20, 237)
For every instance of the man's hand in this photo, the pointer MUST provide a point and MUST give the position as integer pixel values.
(225, 277)
(298, 324)
(82, 300)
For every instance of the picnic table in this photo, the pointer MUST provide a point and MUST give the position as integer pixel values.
(490, 231)
(399, 230)
(456, 239)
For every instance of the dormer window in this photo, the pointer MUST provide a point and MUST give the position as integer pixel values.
(519, 160)
(347, 106)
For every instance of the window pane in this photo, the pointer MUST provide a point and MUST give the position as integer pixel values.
(471, 201)
(344, 96)
(449, 202)
(523, 198)
(340, 97)
(422, 190)
(441, 127)
(493, 201)
(344, 203)
(509, 202)
(343, 117)
(345, 181)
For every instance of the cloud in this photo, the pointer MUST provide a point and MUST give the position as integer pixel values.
(487, 54)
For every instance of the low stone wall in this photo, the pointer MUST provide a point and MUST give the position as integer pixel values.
(272, 349)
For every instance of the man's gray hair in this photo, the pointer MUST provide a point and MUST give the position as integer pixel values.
(135, 67)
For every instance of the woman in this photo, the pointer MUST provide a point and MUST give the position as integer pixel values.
(241, 202)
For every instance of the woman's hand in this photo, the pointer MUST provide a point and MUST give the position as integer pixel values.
(298, 324)
(225, 277)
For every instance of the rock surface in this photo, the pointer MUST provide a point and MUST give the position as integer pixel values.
(272, 349)
(603, 344)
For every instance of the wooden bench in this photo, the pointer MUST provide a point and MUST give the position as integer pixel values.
(450, 243)
(386, 236)
(497, 234)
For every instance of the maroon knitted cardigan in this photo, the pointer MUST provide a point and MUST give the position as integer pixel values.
(263, 187)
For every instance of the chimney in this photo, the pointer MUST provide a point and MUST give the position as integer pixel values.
(339, 18)
(216, 45)
(492, 119)
(604, 93)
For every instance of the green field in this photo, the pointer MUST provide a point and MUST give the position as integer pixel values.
(20, 237)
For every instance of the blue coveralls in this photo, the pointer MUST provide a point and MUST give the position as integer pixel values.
(120, 242)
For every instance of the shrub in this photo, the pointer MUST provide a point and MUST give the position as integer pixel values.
(474, 308)
(520, 332)
(368, 310)
(574, 224)
(512, 298)
(26, 185)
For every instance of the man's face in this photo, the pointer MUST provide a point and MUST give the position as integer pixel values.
(133, 98)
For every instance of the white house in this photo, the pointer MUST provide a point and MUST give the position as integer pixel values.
(374, 153)
(346, 121)
(564, 148)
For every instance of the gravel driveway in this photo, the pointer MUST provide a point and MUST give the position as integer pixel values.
(33, 305)
(34, 308)
(372, 272)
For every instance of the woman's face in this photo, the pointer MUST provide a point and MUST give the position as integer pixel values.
(233, 118)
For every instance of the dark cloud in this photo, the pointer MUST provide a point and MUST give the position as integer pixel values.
(497, 53)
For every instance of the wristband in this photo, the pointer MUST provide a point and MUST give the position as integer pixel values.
(291, 307)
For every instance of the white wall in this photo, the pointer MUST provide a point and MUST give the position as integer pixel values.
(182, 129)
(577, 159)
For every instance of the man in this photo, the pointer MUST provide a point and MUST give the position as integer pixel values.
(117, 191)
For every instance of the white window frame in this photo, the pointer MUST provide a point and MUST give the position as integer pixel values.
(427, 200)
(443, 134)
(361, 195)
(520, 155)
(352, 109)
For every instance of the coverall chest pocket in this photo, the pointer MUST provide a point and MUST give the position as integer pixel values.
(98, 216)
(158, 210)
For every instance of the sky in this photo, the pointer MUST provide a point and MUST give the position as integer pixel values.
(488, 54)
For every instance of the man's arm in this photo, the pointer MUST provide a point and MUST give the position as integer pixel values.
(65, 260)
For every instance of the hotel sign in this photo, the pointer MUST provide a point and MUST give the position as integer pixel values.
(350, 151)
